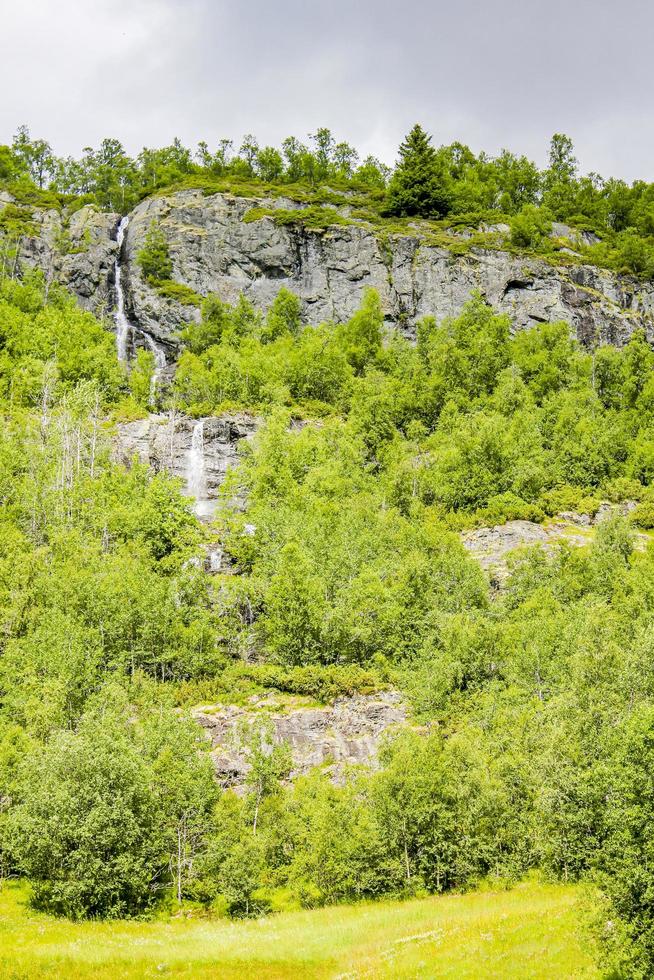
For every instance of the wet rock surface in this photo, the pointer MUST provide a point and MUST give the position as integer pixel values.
(345, 733)
(198, 451)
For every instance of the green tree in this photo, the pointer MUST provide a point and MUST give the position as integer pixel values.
(86, 828)
(290, 626)
(154, 258)
(417, 186)
(269, 761)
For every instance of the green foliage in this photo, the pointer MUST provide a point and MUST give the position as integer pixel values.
(325, 177)
(99, 809)
(85, 827)
(314, 217)
(240, 680)
(140, 376)
(347, 574)
(48, 348)
(154, 258)
(283, 317)
(418, 185)
(530, 227)
(177, 291)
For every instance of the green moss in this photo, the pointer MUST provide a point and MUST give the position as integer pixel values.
(256, 214)
(314, 217)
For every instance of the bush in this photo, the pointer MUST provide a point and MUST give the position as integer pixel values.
(241, 679)
(565, 497)
(111, 814)
(178, 292)
(635, 254)
(622, 488)
(508, 507)
(85, 830)
(643, 514)
(530, 227)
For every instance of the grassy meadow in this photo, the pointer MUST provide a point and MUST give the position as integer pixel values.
(531, 931)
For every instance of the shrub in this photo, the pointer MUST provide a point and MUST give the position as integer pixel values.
(530, 227)
(565, 497)
(178, 292)
(322, 683)
(154, 258)
(622, 488)
(508, 507)
(643, 514)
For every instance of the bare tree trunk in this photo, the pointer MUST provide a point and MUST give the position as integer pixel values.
(179, 861)
(256, 809)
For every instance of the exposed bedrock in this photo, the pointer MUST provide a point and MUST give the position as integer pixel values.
(198, 451)
(347, 732)
(216, 248)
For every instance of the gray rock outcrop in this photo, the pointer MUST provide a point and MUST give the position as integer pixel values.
(491, 546)
(165, 442)
(77, 249)
(334, 737)
(216, 248)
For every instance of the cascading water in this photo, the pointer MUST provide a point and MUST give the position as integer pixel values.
(159, 364)
(123, 326)
(124, 329)
(196, 480)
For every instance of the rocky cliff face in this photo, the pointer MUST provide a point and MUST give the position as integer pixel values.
(198, 451)
(78, 250)
(348, 732)
(216, 247)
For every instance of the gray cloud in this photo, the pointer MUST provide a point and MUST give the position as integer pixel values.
(493, 74)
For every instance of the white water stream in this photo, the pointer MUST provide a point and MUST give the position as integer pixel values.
(125, 329)
(123, 326)
(159, 364)
(196, 477)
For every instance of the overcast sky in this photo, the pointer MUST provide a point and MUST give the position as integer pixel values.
(491, 73)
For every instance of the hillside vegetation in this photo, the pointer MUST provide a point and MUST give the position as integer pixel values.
(532, 706)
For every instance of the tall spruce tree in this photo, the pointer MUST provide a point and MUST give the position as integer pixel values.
(418, 185)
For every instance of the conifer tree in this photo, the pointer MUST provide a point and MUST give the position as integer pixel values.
(418, 185)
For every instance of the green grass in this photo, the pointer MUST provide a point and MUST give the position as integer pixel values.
(532, 931)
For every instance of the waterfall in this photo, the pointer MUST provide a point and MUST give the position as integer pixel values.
(123, 326)
(195, 474)
(159, 364)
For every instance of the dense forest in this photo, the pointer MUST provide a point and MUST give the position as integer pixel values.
(531, 745)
